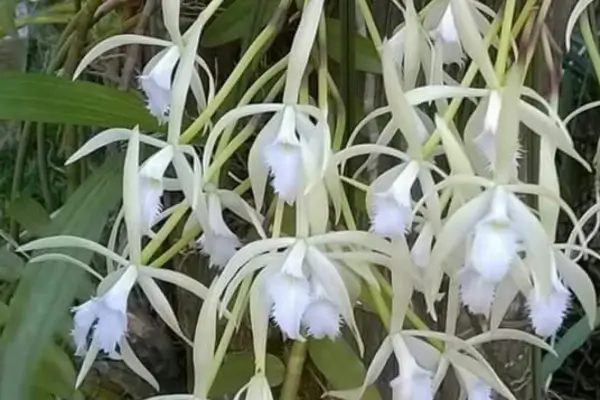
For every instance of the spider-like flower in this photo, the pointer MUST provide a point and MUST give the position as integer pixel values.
(151, 186)
(156, 80)
(105, 316)
(392, 208)
(218, 242)
(284, 158)
(300, 300)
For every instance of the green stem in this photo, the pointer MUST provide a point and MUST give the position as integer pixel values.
(590, 42)
(293, 373)
(237, 313)
(232, 146)
(505, 38)
(370, 24)
(381, 307)
(164, 232)
(42, 166)
(256, 48)
(19, 169)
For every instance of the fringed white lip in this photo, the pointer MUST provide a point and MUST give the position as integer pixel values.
(495, 243)
(105, 316)
(547, 313)
(156, 84)
(392, 209)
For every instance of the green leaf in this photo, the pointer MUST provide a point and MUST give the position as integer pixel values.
(235, 22)
(55, 374)
(4, 312)
(11, 266)
(340, 365)
(46, 291)
(573, 339)
(367, 57)
(238, 368)
(29, 213)
(51, 99)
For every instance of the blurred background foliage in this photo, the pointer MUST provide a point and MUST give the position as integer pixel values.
(44, 117)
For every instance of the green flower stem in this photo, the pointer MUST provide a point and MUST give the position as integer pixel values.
(590, 42)
(381, 306)
(340, 122)
(19, 170)
(322, 71)
(185, 239)
(370, 24)
(232, 323)
(222, 156)
(42, 166)
(252, 91)
(164, 232)
(256, 48)
(505, 38)
(187, 236)
(293, 373)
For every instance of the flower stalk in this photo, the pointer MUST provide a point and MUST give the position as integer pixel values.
(293, 373)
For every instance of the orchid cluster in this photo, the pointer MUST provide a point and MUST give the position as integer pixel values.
(449, 221)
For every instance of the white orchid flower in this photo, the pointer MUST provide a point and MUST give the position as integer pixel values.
(305, 289)
(218, 242)
(151, 186)
(156, 81)
(105, 316)
(293, 149)
(392, 208)
(299, 299)
(494, 245)
(158, 74)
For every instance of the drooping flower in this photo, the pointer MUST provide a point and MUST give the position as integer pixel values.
(494, 245)
(321, 317)
(289, 291)
(476, 293)
(547, 313)
(284, 158)
(156, 82)
(218, 242)
(151, 186)
(392, 209)
(105, 316)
